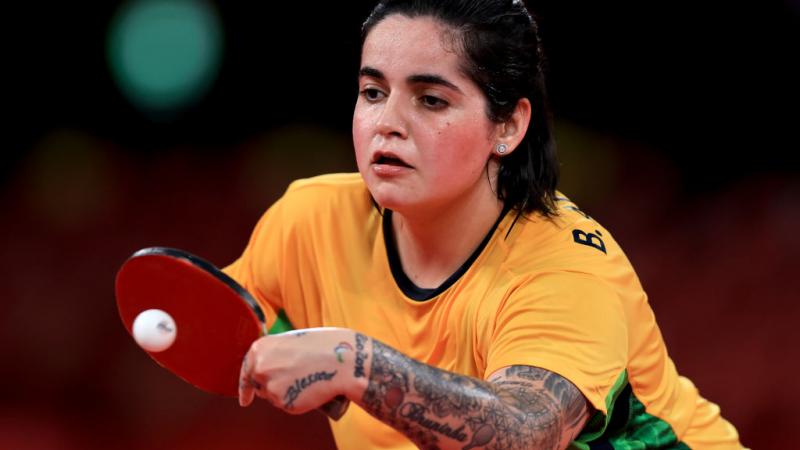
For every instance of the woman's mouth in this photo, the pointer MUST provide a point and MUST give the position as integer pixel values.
(390, 161)
(386, 158)
(388, 164)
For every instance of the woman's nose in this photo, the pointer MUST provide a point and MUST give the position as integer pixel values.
(392, 120)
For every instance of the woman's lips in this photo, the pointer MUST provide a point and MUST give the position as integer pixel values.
(384, 157)
(390, 161)
(388, 164)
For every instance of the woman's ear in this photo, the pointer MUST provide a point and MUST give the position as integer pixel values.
(511, 132)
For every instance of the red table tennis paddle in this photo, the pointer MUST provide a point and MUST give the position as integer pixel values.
(216, 319)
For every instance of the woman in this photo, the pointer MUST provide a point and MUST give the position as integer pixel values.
(447, 289)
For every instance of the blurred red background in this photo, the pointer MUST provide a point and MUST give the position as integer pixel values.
(679, 152)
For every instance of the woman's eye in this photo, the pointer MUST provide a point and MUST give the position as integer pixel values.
(371, 94)
(433, 102)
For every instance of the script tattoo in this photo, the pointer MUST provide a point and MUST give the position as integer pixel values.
(416, 413)
(525, 407)
(301, 384)
(361, 356)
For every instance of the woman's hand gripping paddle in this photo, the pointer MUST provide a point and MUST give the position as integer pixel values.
(214, 319)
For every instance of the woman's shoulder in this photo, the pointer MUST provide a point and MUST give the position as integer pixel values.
(570, 240)
(327, 188)
(329, 181)
(334, 194)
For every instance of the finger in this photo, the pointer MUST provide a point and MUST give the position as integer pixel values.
(262, 391)
(246, 386)
(247, 392)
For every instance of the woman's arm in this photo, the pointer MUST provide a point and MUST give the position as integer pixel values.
(520, 407)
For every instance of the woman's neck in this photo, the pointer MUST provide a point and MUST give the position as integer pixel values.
(433, 246)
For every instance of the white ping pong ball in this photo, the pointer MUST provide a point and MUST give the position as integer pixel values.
(154, 330)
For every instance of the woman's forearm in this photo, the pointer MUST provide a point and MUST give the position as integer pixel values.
(522, 407)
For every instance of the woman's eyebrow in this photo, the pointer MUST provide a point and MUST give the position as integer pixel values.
(372, 72)
(423, 78)
(426, 78)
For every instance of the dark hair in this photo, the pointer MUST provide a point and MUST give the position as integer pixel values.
(499, 43)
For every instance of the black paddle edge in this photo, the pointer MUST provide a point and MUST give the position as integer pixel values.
(208, 267)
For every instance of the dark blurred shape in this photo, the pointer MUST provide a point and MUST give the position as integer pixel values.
(68, 179)
(271, 161)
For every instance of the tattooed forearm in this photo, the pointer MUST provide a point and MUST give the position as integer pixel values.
(301, 384)
(524, 407)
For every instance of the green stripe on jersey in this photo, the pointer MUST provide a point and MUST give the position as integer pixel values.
(627, 426)
(598, 423)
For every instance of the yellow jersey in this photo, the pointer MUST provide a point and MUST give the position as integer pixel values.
(555, 293)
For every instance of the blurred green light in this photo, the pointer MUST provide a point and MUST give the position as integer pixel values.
(165, 54)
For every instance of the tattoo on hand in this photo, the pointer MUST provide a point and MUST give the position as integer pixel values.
(301, 384)
(340, 349)
(361, 356)
(527, 407)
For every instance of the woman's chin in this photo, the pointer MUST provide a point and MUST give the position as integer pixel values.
(391, 198)
(398, 195)
(388, 202)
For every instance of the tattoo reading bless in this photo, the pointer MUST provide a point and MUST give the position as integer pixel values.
(301, 384)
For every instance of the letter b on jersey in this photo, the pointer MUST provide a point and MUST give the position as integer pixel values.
(590, 239)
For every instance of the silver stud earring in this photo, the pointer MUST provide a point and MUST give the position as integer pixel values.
(501, 148)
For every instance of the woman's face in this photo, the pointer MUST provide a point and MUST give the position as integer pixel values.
(420, 130)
